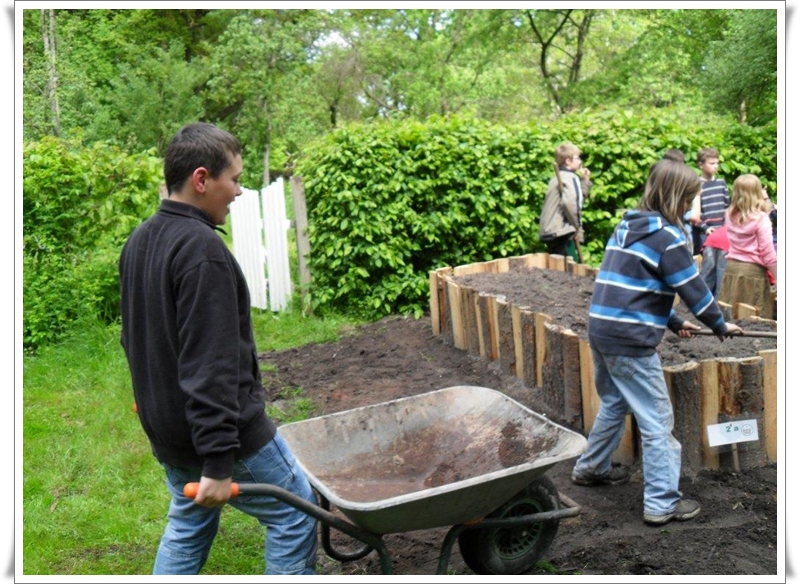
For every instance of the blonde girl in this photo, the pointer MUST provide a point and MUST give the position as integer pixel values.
(751, 252)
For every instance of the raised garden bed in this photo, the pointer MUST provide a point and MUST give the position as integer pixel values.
(530, 313)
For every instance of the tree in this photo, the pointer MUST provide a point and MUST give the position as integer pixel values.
(649, 58)
(741, 70)
(560, 40)
(49, 40)
(420, 62)
(248, 70)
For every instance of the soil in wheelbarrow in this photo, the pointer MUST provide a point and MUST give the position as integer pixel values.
(736, 532)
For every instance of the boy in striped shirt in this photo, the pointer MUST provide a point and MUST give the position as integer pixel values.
(708, 213)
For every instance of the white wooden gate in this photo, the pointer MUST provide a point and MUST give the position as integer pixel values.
(259, 229)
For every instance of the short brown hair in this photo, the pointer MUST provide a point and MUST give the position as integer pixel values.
(565, 151)
(197, 145)
(705, 153)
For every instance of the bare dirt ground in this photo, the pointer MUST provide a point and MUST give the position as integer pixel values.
(735, 534)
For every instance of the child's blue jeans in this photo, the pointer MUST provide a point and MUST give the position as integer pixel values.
(635, 385)
(291, 542)
(713, 268)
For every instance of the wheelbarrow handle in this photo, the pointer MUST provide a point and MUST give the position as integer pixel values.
(372, 541)
(190, 490)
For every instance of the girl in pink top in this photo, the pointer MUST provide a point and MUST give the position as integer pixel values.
(751, 252)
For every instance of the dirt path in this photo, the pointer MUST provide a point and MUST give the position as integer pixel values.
(736, 533)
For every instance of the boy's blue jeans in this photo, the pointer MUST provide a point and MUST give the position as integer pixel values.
(291, 543)
(635, 385)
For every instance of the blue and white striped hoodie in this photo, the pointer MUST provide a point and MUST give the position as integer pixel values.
(646, 263)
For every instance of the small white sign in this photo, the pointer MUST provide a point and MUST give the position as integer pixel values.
(732, 432)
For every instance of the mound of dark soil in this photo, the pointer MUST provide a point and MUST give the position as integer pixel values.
(735, 534)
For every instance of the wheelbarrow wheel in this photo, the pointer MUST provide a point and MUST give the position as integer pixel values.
(515, 549)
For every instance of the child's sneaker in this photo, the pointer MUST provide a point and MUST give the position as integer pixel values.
(686, 509)
(618, 475)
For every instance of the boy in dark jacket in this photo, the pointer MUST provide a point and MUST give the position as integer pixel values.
(188, 338)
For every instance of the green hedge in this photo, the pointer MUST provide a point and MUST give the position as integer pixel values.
(388, 202)
(79, 205)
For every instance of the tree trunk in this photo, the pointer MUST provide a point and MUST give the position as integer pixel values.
(583, 32)
(266, 178)
(49, 38)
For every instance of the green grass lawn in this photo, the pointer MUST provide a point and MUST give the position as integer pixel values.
(94, 499)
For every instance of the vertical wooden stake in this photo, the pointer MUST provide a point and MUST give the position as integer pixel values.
(770, 402)
(301, 233)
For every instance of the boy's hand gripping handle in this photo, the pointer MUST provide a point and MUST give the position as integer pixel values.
(190, 490)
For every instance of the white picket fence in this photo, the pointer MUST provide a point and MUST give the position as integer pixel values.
(259, 229)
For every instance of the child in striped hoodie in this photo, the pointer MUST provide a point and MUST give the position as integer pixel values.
(647, 261)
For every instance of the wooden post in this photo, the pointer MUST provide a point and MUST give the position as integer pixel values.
(770, 382)
(684, 384)
(446, 311)
(484, 316)
(528, 361)
(743, 311)
(541, 345)
(538, 260)
(491, 319)
(557, 262)
(501, 265)
(590, 401)
(573, 408)
(456, 313)
(742, 397)
(301, 232)
(709, 408)
(553, 369)
(505, 336)
(519, 349)
(470, 296)
(494, 328)
(433, 302)
(750, 398)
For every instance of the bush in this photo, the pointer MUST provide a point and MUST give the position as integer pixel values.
(388, 202)
(79, 205)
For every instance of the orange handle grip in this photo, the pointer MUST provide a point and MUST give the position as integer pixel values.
(190, 490)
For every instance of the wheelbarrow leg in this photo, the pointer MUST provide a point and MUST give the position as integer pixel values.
(325, 517)
(370, 541)
(447, 548)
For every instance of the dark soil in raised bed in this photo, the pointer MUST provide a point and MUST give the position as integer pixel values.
(566, 298)
(735, 534)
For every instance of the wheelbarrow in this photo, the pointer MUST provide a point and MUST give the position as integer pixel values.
(464, 456)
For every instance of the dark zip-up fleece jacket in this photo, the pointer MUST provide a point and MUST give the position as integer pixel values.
(188, 337)
(646, 262)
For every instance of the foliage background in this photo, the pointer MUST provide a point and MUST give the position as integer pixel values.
(425, 136)
(414, 129)
(389, 203)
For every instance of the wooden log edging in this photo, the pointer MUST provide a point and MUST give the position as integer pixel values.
(557, 362)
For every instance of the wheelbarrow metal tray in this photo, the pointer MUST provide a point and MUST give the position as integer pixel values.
(440, 458)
